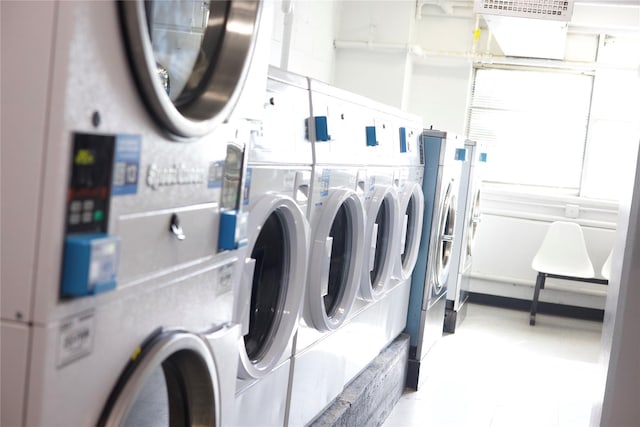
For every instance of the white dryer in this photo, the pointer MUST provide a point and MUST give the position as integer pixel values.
(408, 172)
(466, 228)
(272, 285)
(344, 132)
(443, 156)
(121, 210)
(337, 218)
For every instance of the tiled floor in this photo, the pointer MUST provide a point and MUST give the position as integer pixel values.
(497, 371)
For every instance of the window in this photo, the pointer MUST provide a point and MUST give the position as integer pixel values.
(535, 123)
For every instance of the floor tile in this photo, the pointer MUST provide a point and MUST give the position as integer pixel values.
(498, 371)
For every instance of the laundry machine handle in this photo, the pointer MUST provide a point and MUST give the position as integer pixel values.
(243, 311)
(325, 248)
(403, 233)
(372, 248)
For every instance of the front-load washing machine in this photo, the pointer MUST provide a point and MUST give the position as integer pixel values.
(466, 229)
(119, 210)
(336, 216)
(345, 131)
(407, 175)
(272, 284)
(443, 156)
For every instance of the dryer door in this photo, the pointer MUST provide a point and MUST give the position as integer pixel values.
(170, 380)
(272, 283)
(474, 220)
(335, 262)
(445, 236)
(380, 242)
(412, 209)
(190, 58)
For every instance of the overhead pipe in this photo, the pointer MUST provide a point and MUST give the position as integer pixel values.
(480, 58)
(287, 9)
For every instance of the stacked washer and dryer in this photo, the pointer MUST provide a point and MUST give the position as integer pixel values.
(122, 237)
(443, 156)
(466, 228)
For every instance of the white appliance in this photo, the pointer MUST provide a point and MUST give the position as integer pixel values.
(350, 161)
(337, 218)
(272, 288)
(468, 215)
(114, 227)
(443, 156)
(408, 172)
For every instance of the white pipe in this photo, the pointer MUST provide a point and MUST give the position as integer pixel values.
(287, 32)
(505, 213)
(478, 58)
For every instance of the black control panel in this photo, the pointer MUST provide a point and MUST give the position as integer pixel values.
(90, 184)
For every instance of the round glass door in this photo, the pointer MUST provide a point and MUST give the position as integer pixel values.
(274, 283)
(170, 381)
(382, 224)
(272, 257)
(412, 229)
(336, 259)
(190, 58)
(474, 220)
(445, 238)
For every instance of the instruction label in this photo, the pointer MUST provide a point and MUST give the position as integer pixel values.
(75, 338)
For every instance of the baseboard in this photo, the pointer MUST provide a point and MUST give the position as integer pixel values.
(370, 397)
(543, 307)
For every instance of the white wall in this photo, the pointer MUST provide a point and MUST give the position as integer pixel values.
(302, 40)
(439, 92)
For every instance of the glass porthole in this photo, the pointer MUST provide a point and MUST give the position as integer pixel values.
(190, 58)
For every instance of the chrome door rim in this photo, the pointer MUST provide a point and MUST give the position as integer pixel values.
(225, 79)
(199, 384)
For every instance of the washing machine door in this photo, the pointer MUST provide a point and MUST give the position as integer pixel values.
(272, 283)
(412, 211)
(474, 220)
(190, 58)
(380, 241)
(445, 236)
(170, 380)
(335, 261)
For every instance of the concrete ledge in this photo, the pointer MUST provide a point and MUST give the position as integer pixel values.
(371, 396)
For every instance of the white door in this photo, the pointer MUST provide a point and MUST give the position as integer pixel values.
(272, 283)
(335, 261)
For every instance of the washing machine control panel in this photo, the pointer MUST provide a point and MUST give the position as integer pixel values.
(90, 184)
(90, 258)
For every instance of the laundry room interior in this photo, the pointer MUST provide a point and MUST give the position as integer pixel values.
(320, 213)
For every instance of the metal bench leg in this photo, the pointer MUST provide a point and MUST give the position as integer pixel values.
(536, 293)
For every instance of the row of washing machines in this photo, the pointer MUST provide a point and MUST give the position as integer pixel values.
(180, 248)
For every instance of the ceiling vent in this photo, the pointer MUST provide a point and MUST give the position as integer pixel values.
(528, 28)
(557, 10)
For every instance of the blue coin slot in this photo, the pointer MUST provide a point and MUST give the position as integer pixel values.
(322, 128)
(233, 230)
(90, 264)
(371, 136)
(403, 140)
(483, 157)
(461, 154)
